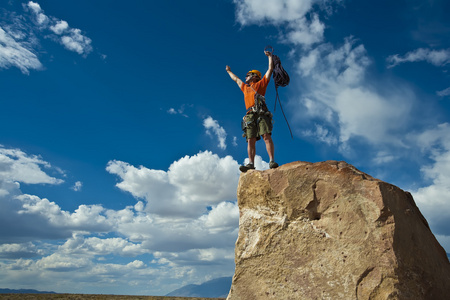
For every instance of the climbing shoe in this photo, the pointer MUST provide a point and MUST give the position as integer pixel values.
(246, 168)
(273, 165)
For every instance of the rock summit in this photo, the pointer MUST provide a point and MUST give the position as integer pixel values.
(329, 231)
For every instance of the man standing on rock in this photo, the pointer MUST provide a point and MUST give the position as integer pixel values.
(258, 120)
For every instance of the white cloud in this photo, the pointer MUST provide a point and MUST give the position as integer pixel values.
(437, 58)
(180, 111)
(25, 250)
(84, 218)
(176, 235)
(212, 126)
(59, 27)
(94, 246)
(363, 113)
(340, 103)
(77, 186)
(322, 134)
(172, 111)
(37, 218)
(77, 42)
(384, 157)
(19, 38)
(277, 11)
(434, 200)
(190, 243)
(234, 142)
(15, 54)
(309, 61)
(260, 164)
(444, 93)
(191, 184)
(175, 217)
(41, 18)
(16, 165)
(306, 32)
(304, 26)
(222, 217)
(34, 6)
(61, 263)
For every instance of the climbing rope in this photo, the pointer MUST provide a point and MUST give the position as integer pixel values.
(281, 78)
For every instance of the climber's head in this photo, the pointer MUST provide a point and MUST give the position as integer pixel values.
(253, 76)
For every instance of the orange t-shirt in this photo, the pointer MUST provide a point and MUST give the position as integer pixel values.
(249, 94)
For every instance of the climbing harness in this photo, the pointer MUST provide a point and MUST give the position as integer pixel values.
(280, 78)
(259, 109)
(260, 106)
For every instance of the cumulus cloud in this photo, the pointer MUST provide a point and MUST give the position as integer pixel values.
(59, 27)
(437, 58)
(61, 263)
(186, 241)
(77, 42)
(59, 272)
(37, 218)
(190, 207)
(93, 246)
(212, 127)
(33, 217)
(190, 184)
(15, 251)
(222, 217)
(175, 235)
(40, 17)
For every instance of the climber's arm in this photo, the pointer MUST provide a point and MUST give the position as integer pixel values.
(270, 68)
(234, 77)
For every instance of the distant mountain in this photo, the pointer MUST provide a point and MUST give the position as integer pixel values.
(216, 288)
(23, 291)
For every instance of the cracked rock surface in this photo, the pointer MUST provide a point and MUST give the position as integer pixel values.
(329, 231)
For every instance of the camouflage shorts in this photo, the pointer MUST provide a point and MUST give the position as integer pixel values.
(255, 125)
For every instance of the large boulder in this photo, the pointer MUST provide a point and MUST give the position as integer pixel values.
(329, 231)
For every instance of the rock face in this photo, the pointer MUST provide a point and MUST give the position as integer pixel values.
(328, 231)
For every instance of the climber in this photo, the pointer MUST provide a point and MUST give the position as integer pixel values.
(258, 120)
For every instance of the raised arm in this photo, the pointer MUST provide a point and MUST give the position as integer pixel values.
(234, 77)
(270, 68)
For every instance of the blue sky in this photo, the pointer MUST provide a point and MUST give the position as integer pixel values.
(120, 129)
